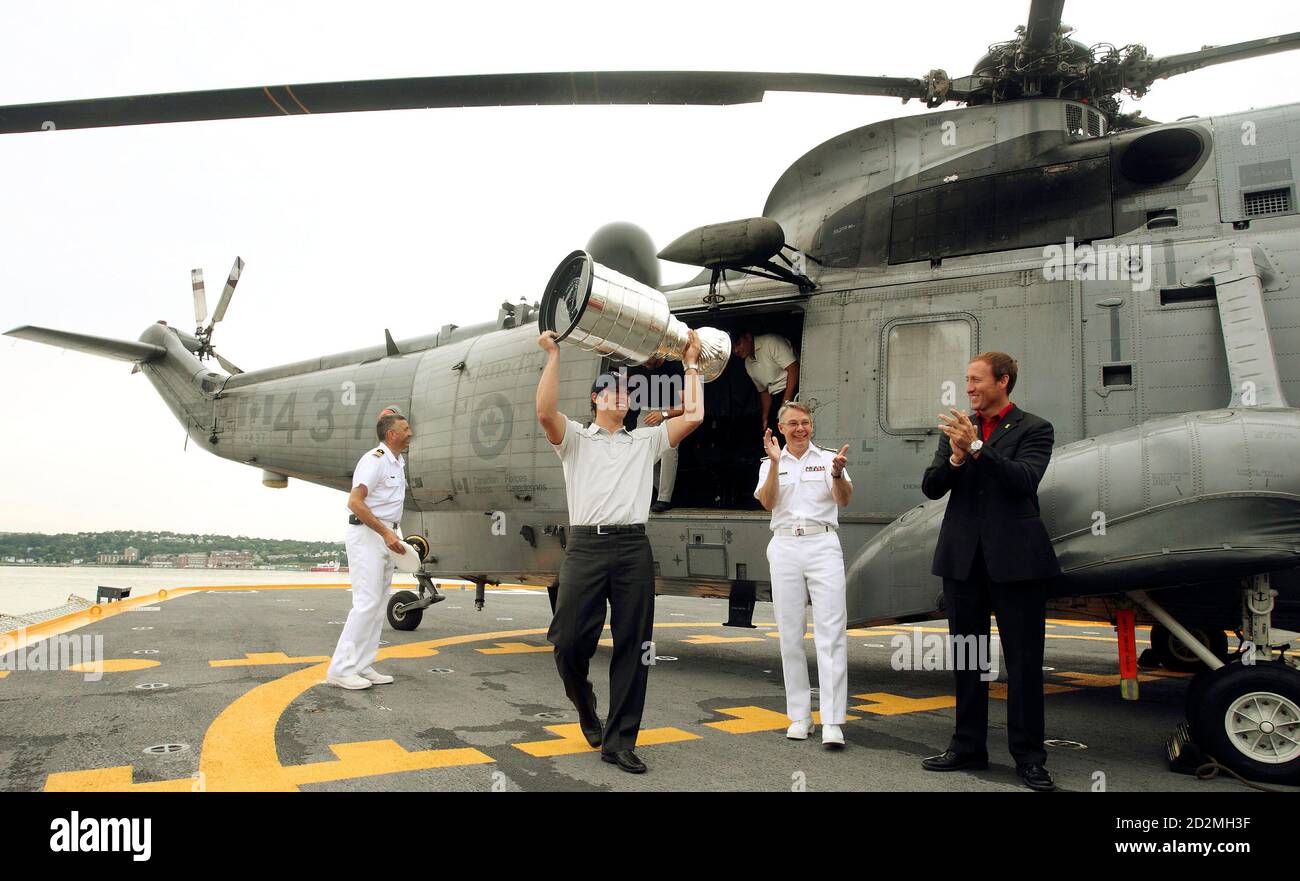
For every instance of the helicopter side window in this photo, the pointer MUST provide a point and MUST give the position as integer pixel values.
(925, 361)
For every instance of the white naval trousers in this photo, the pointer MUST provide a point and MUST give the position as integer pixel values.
(371, 566)
(811, 568)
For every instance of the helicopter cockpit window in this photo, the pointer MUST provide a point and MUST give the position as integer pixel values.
(925, 362)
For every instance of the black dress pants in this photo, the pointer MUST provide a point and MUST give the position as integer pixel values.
(617, 568)
(1021, 609)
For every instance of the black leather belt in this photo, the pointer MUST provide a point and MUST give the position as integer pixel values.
(607, 529)
(354, 520)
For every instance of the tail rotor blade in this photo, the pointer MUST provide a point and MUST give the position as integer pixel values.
(200, 298)
(228, 291)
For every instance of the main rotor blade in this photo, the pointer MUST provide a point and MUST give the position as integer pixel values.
(229, 368)
(122, 350)
(1044, 21)
(486, 90)
(1172, 65)
(228, 291)
(200, 298)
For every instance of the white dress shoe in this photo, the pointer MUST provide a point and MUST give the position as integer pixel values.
(373, 675)
(800, 730)
(353, 682)
(832, 737)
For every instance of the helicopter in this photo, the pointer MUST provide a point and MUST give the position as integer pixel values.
(1139, 271)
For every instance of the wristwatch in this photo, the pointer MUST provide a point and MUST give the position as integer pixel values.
(976, 446)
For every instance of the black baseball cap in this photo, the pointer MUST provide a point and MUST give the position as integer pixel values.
(608, 379)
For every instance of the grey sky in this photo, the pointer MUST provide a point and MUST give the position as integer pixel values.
(351, 223)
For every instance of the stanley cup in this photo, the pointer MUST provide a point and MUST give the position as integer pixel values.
(603, 311)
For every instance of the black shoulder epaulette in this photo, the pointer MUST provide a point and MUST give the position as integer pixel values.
(379, 452)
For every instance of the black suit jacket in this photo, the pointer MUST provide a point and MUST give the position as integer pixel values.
(994, 503)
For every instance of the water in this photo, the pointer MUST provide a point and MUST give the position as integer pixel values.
(34, 588)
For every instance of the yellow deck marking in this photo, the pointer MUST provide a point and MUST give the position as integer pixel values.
(1091, 638)
(16, 640)
(256, 659)
(609, 643)
(1100, 680)
(571, 742)
(885, 704)
(4, 673)
(114, 665)
(515, 648)
(776, 634)
(117, 779)
(239, 752)
(1075, 622)
(371, 758)
(751, 719)
(710, 639)
(998, 690)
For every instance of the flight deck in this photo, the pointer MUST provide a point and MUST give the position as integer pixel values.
(222, 688)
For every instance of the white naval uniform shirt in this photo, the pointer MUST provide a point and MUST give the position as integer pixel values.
(804, 496)
(384, 476)
(766, 365)
(608, 477)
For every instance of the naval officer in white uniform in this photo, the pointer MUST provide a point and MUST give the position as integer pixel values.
(804, 486)
(374, 534)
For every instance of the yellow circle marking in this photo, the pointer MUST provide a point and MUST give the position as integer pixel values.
(114, 665)
(239, 752)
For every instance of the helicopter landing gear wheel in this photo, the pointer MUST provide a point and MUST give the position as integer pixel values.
(1175, 656)
(400, 617)
(1247, 716)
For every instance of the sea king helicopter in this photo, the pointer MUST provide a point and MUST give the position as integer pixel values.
(1139, 271)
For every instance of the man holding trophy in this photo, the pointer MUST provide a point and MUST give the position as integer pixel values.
(608, 477)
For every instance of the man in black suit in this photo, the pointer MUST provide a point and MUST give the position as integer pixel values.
(994, 554)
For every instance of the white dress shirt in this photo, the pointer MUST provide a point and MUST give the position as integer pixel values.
(804, 496)
(608, 478)
(384, 476)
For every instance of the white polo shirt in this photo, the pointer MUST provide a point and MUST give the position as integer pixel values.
(384, 476)
(608, 478)
(804, 495)
(767, 363)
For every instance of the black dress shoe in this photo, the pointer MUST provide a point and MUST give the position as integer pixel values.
(589, 723)
(626, 760)
(951, 761)
(658, 507)
(1036, 777)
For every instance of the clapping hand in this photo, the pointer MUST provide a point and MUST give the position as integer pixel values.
(959, 429)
